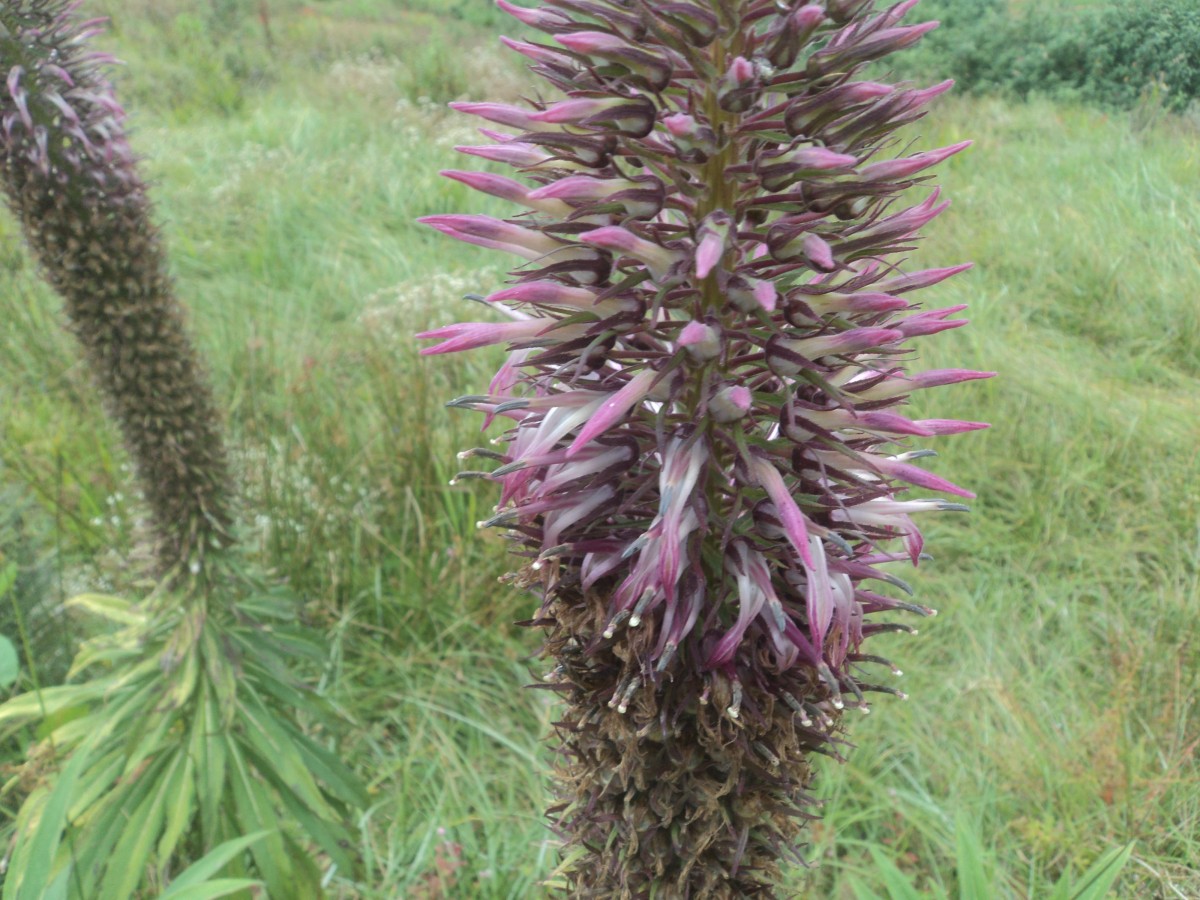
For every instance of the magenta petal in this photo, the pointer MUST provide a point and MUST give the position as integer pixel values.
(918, 280)
(896, 169)
(741, 70)
(818, 252)
(790, 516)
(709, 253)
(939, 377)
(893, 423)
(921, 478)
(548, 293)
(614, 408)
(820, 158)
(501, 114)
(514, 153)
(621, 240)
(949, 426)
(819, 595)
(488, 183)
(470, 335)
(537, 18)
(589, 42)
(766, 294)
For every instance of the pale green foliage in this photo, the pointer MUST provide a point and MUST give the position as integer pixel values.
(976, 875)
(182, 735)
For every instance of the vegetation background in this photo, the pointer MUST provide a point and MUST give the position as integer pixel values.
(1053, 702)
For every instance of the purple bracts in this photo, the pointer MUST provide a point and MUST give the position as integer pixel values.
(705, 457)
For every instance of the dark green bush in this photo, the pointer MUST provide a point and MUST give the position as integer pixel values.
(1140, 44)
(1109, 55)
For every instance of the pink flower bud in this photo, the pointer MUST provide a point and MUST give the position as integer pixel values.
(730, 403)
(702, 341)
(659, 260)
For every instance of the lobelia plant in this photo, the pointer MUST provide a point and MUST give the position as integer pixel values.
(705, 469)
(72, 181)
(186, 732)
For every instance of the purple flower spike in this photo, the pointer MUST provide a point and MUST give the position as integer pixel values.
(714, 337)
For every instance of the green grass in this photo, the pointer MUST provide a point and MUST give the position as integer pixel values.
(1051, 700)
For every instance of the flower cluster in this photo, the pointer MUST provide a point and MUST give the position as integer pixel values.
(705, 464)
(72, 181)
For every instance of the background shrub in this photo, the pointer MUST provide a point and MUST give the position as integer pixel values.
(1110, 55)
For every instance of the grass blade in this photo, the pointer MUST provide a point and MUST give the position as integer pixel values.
(1099, 879)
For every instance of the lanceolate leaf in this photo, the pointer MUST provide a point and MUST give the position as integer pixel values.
(209, 865)
(36, 858)
(1098, 880)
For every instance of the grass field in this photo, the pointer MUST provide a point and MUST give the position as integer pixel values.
(1052, 712)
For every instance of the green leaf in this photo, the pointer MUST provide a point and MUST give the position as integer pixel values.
(10, 665)
(973, 880)
(328, 767)
(105, 822)
(97, 781)
(328, 835)
(8, 577)
(274, 747)
(181, 805)
(36, 867)
(1099, 879)
(115, 609)
(255, 812)
(898, 885)
(126, 867)
(207, 751)
(59, 718)
(218, 887)
(35, 704)
(199, 872)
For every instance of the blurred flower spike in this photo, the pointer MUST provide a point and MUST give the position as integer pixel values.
(706, 462)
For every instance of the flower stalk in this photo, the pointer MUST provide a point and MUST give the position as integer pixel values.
(705, 465)
(71, 179)
(184, 729)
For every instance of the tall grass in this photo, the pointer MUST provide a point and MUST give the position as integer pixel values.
(1052, 698)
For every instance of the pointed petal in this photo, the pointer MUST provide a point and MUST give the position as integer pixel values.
(613, 409)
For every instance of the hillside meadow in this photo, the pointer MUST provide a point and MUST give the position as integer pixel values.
(1052, 702)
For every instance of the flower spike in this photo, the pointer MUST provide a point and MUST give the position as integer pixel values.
(707, 460)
